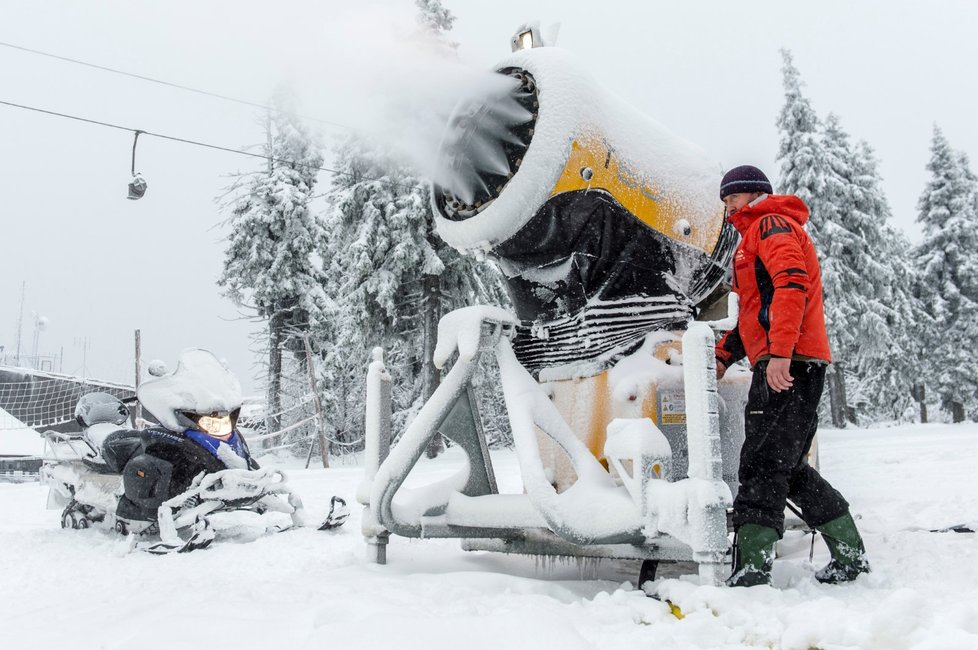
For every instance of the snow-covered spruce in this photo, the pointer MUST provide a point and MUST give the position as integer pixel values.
(947, 265)
(272, 262)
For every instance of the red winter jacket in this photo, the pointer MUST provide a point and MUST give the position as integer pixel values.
(777, 277)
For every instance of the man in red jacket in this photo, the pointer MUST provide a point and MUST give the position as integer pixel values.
(781, 330)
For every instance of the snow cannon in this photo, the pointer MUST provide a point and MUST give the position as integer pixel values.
(605, 225)
(610, 235)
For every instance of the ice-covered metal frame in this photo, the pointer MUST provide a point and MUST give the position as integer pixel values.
(678, 520)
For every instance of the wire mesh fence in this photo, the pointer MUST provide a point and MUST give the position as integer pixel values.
(46, 400)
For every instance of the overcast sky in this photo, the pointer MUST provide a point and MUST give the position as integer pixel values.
(99, 266)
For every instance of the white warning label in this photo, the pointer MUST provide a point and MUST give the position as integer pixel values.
(672, 406)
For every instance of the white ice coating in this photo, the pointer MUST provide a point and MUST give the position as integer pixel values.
(494, 510)
(575, 106)
(633, 446)
(411, 504)
(635, 373)
(461, 329)
(229, 457)
(200, 384)
(702, 403)
(376, 421)
(551, 275)
(636, 437)
(680, 507)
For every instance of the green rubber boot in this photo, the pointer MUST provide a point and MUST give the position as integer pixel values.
(847, 549)
(753, 556)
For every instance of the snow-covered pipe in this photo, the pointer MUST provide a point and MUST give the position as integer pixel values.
(709, 503)
(377, 420)
(702, 403)
(377, 438)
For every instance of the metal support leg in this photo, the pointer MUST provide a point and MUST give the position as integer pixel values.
(377, 548)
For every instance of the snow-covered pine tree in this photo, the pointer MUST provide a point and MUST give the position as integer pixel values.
(391, 276)
(947, 262)
(803, 160)
(870, 308)
(271, 263)
(806, 171)
(381, 255)
(436, 20)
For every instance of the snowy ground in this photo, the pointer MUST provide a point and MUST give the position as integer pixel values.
(305, 589)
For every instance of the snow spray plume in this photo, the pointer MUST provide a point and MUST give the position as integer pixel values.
(397, 84)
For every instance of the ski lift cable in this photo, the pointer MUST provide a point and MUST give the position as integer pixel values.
(172, 85)
(187, 141)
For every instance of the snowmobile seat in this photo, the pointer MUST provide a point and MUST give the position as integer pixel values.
(119, 447)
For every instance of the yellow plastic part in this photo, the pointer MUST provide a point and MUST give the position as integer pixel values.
(587, 406)
(674, 608)
(592, 164)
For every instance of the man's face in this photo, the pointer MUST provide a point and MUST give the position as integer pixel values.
(734, 202)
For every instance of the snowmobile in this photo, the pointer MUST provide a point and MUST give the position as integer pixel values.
(175, 486)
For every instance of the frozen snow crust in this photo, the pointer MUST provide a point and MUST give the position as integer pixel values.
(308, 589)
(573, 105)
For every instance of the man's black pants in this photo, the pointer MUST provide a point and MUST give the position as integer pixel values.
(779, 430)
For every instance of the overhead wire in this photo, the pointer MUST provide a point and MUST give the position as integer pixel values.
(171, 84)
(188, 89)
(169, 137)
(196, 143)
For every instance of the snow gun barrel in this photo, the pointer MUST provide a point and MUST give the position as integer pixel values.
(605, 225)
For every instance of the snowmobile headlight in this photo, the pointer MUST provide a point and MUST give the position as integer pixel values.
(525, 40)
(218, 426)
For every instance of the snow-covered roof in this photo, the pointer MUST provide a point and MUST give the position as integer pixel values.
(18, 439)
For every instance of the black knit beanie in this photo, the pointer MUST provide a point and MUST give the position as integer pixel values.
(745, 178)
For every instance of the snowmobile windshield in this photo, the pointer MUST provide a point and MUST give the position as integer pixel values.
(201, 384)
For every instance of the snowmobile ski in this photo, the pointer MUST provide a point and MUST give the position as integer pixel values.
(201, 536)
(339, 512)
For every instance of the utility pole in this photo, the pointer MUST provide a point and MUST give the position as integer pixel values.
(20, 321)
(83, 342)
(137, 413)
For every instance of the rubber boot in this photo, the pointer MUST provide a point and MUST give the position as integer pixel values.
(753, 556)
(847, 549)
